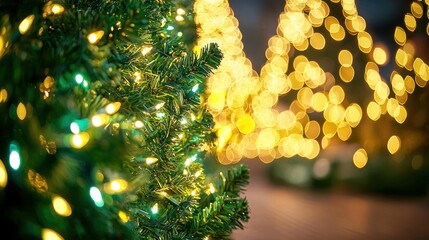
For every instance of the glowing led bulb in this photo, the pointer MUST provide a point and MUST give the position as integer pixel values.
(61, 206)
(154, 208)
(146, 50)
(151, 160)
(112, 108)
(3, 175)
(95, 37)
(49, 234)
(96, 196)
(25, 25)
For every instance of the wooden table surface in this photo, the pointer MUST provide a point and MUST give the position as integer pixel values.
(279, 212)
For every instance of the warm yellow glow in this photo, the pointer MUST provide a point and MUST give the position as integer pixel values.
(329, 129)
(373, 111)
(353, 115)
(115, 186)
(365, 42)
(347, 73)
(3, 95)
(159, 105)
(400, 36)
(79, 140)
(57, 8)
(317, 41)
(146, 50)
(417, 9)
(95, 37)
(138, 124)
(345, 58)
(112, 108)
(123, 216)
(401, 58)
(410, 22)
(312, 129)
(344, 131)
(360, 158)
(380, 55)
(245, 124)
(3, 175)
(49, 234)
(151, 160)
(336, 94)
(319, 102)
(99, 120)
(61, 206)
(25, 25)
(21, 111)
(212, 189)
(393, 144)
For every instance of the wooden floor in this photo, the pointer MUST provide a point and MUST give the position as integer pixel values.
(279, 212)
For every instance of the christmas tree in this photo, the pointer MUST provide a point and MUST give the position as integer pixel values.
(104, 128)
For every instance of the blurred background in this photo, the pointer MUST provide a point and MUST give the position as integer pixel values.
(330, 196)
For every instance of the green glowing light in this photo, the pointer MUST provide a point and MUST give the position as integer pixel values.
(14, 157)
(96, 196)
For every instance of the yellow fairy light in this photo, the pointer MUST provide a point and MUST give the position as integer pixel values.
(21, 111)
(360, 158)
(124, 217)
(3, 175)
(151, 160)
(245, 124)
(2, 48)
(400, 36)
(345, 58)
(212, 189)
(417, 9)
(25, 25)
(49, 234)
(3, 95)
(393, 144)
(159, 105)
(138, 124)
(57, 8)
(99, 120)
(146, 50)
(61, 206)
(78, 141)
(180, 11)
(112, 108)
(380, 55)
(115, 186)
(95, 37)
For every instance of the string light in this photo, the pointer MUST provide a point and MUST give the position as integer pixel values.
(124, 217)
(95, 37)
(14, 156)
(96, 196)
(3, 175)
(25, 25)
(112, 108)
(154, 208)
(21, 111)
(259, 131)
(115, 186)
(49, 234)
(61, 206)
(151, 160)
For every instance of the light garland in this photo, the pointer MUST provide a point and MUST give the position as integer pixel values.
(249, 120)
